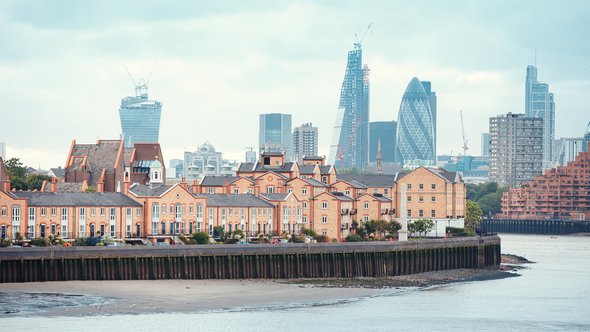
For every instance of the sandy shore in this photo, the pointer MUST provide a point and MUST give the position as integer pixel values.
(84, 298)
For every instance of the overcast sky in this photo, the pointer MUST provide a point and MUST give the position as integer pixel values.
(221, 63)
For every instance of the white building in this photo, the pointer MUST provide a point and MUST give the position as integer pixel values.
(206, 161)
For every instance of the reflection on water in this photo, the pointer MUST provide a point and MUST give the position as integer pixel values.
(553, 293)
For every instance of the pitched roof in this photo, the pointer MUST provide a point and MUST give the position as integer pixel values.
(218, 180)
(258, 167)
(142, 190)
(315, 182)
(99, 156)
(239, 200)
(448, 176)
(313, 157)
(369, 180)
(378, 197)
(275, 196)
(65, 187)
(325, 169)
(354, 184)
(58, 172)
(307, 169)
(75, 199)
(341, 196)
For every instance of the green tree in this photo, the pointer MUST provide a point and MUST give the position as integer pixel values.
(17, 173)
(472, 217)
(420, 226)
(380, 227)
(201, 237)
(35, 181)
(393, 227)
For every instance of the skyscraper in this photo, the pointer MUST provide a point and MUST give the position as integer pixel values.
(2, 150)
(516, 148)
(539, 102)
(384, 132)
(275, 134)
(416, 127)
(305, 141)
(140, 117)
(432, 101)
(485, 144)
(350, 145)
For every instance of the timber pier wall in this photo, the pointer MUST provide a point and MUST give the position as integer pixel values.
(251, 261)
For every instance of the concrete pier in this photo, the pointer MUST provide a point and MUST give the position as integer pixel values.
(252, 261)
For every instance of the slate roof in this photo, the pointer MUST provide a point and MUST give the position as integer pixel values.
(239, 200)
(75, 199)
(313, 157)
(341, 196)
(275, 196)
(258, 167)
(147, 191)
(315, 182)
(448, 176)
(378, 197)
(65, 187)
(306, 169)
(369, 180)
(325, 169)
(218, 180)
(99, 156)
(58, 172)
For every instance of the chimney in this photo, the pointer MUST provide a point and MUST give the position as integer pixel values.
(126, 186)
(7, 184)
(196, 188)
(53, 187)
(100, 187)
(183, 183)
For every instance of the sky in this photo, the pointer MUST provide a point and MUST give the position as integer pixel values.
(219, 64)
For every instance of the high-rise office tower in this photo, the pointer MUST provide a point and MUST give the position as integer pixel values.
(485, 144)
(516, 148)
(305, 141)
(140, 117)
(432, 101)
(416, 127)
(350, 145)
(539, 102)
(275, 134)
(384, 132)
(566, 149)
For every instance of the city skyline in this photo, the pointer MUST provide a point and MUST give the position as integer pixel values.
(296, 68)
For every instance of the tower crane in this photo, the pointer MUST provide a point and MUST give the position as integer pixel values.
(358, 41)
(465, 147)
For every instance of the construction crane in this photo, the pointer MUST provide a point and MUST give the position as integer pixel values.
(358, 41)
(465, 147)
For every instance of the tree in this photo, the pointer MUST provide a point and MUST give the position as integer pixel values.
(472, 217)
(421, 226)
(380, 227)
(35, 181)
(393, 227)
(354, 238)
(17, 173)
(201, 237)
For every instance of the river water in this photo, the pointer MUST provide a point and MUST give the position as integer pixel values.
(552, 294)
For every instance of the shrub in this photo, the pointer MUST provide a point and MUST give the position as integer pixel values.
(5, 242)
(40, 242)
(298, 239)
(321, 238)
(309, 232)
(230, 241)
(201, 238)
(354, 238)
(456, 231)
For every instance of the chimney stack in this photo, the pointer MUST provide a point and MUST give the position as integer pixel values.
(53, 187)
(7, 184)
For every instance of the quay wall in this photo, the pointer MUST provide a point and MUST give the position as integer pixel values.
(250, 261)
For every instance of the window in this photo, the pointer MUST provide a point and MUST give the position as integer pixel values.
(210, 217)
(409, 186)
(4, 211)
(420, 213)
(93, 212)
(421, 199)
(210, 190)
(366, 205)
(366, 218)
(164, 209)
(112, 215)
(102, 212)
(304, 191)
(409, 213)
(236, 191)
(171, 208)
(163, 228)
(190, 209)
(409, 198)
(433, 213)
(250, 191)
(385, 191)
(324, 232)
(324, 219)
(43, 212)
(433, 186)
(138, 212)
(347, 192)
(53, 211)
(305, 205)
(290, 190)
(305, 219)
(324, 179)
(82, 214)
(324, 205)
(270, 190)
(433, 199)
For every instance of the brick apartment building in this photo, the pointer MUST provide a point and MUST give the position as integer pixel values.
(560, 193)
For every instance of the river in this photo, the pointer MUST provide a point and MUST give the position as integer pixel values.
(552, 294)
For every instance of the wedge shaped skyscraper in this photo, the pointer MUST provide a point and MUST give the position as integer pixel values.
(350, 142)
(416, 127)
(140, 117)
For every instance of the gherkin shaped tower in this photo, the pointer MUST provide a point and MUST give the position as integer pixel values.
(416, 127)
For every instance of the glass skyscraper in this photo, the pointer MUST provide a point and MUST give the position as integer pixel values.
(416, 127)
(140, 118)
(384, 132)
(275, 134)
(350, 143)
(539, 103)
